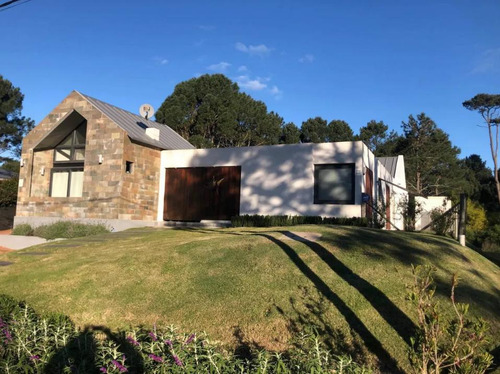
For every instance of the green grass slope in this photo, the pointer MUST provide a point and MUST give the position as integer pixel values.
(255, 287)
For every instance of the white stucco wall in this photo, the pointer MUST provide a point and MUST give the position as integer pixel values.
(278, 179)
(427, 205)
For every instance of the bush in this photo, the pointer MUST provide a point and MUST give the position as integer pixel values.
(8, 192)
(30, 343)
(61, 229)
(441, 224)
(451, 345)
(23, 229)
(271, 221)
(68, 230)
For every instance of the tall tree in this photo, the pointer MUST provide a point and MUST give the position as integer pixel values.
(210, 111)
(339, 131)
(373, 134)
(314, 130)
(430, 158)
(481, 181)
(13, 126)
(489, 107)
(290, 134)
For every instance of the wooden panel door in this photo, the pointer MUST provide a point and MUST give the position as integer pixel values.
(387, 207)
(194, 194)
(369, 191)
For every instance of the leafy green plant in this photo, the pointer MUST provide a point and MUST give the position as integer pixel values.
(441, 223)
(410, 210)
(8, 192)
(23, 229)
(444, 344)
(271, 221)
(30, 343)
(68, 230)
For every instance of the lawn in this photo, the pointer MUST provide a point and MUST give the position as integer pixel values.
(254, 287)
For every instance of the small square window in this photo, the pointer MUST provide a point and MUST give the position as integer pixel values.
(334, 184)
(129, 167)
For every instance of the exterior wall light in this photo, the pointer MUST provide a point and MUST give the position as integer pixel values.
(100, 159)
(42, 170)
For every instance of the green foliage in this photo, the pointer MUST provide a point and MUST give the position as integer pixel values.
(61, 229)
(410, 210)
(10, 164)
(271, 221)
(209, 111)
(30, 343)
(431, 160)
(23, 229)
(373, 134)
(441, 223)
(491, 240)
(476, 221)
(489, 107)
(290, 134)
(13, 126)
(481, 182)
(8, 192)
(443, 344)
(339, 131)
(68, 230)
(314, 130)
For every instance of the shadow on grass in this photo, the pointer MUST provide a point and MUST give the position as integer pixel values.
(78, 355)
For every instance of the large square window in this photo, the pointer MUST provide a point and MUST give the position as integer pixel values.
(334, 184)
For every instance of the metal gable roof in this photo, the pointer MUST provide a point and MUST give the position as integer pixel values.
(390, 164)
(136, 126)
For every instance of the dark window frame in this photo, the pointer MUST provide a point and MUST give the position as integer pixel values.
(68, 188)
(318, 167)
(72, 147)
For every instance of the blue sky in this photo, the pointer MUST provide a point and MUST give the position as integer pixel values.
(349, 60)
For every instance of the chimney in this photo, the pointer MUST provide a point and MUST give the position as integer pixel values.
(153, 133)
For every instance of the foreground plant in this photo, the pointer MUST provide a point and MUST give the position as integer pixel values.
(455, 344)
(30, 343)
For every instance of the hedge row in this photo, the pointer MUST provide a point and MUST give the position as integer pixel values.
(270, 221)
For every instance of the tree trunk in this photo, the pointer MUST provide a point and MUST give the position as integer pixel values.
(494, 151)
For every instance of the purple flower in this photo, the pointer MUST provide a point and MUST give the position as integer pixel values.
(155, 358)
(132, 341)
(34, 358)
(103, 370)
(7, 334)
(169, 343)
(153, 336)
(119, 366)
(177, 360)
(190, 339)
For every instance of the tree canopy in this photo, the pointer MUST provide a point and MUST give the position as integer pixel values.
(13, 126)
(210, 111)
(373, 134)
(489, 107)
(339, 131)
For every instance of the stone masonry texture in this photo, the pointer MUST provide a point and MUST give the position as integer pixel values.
(108, 191)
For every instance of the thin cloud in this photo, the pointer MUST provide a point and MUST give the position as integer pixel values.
(489, 62)
(242, 68)
(220, 67)
(160, 60)
(206, 27)
(276, 92)
(307, 58)
(245, 82)
(253, 50)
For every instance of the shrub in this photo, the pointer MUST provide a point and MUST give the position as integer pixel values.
(8, 192)
(476, 222)
(441, 224)
(68, 230)
(31, 343)
(23, 229)
(455, 345)
(270, 221)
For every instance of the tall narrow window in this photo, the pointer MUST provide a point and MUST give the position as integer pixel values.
(67, 173)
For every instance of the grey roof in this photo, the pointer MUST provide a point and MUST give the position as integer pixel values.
(136, 126)
(390, 164)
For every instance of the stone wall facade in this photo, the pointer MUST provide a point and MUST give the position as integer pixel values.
(108, 192)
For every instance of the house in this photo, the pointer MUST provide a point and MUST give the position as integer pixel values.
(91, 161)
